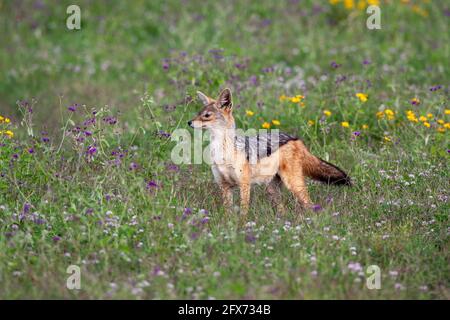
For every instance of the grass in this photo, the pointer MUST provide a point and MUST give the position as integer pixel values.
(104, 194)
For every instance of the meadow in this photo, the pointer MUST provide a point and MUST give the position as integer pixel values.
(86, 176)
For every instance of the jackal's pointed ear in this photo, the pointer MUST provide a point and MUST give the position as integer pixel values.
(204, 98)
(224, 99)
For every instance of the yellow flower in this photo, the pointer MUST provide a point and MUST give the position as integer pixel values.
(447, 125)
(365, 126)
(9, 133)
(266, 125)
(423, 118)
(447, 111)
(249, 113)
(276, 122)
(430, 115)
(387, 139)
(349, 4)
(7, 120)
(415, 101)
(1, 119)
(426, 124)
(362, 96)
(310, 123)
(441, 129)
(390, 114)
(420, 11)
(333, 2)
(373, 2)
(283, 97)
(327, 113)
(380, 114)
(345, 124)
(361, 4)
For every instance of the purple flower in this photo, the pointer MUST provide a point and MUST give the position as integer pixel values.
(152, 186)
(165, 65)
(56, 238)
(357, 133)
(316, 207)
(334, 65)
(204, 220)
(133, 166)
(366, 62)
(73, 107)
(250, 237)
(91, 150)
(31, 151)
(26, 208)
(172, 167)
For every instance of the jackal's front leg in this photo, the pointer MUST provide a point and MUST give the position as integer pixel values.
(245, 197)
(227, 196)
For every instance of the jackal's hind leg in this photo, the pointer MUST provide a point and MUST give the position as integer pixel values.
(274, 191)
(294, 180)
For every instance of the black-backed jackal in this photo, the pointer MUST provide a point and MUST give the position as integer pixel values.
(269, 159)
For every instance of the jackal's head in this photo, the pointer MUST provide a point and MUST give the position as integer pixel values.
(216, 113)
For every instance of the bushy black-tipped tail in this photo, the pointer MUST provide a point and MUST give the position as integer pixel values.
(326, 172)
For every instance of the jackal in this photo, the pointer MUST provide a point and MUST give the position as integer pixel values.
(268, 159)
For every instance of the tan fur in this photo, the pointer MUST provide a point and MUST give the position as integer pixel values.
(288, 165)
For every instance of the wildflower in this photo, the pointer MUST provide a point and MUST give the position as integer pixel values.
(390, 114)
(73, 107)
(354, 266)
(357, 133)
(349, 4)
(440, 121)
(327, 113)
(387, 139)
(430, 115)
(345, 124)
(365, 126)
(335, 65)
(362, 96)
(8, 133)
(2, 119)
(266, 125)
(91, 150)
(276, 122)
(447, 111)
(310, 123)
(283, 97)
(441, 129)
(316, 207)
(380, 114)
(411, 116)
(423, 118)
(447, 125)
(249, 113)
(426, 124)
(7, 120)
(415, 101)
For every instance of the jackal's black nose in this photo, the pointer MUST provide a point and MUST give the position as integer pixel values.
(190, 124)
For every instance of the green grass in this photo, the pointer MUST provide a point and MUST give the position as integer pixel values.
(126, 225)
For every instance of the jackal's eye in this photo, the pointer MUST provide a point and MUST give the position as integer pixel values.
(207, 115)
